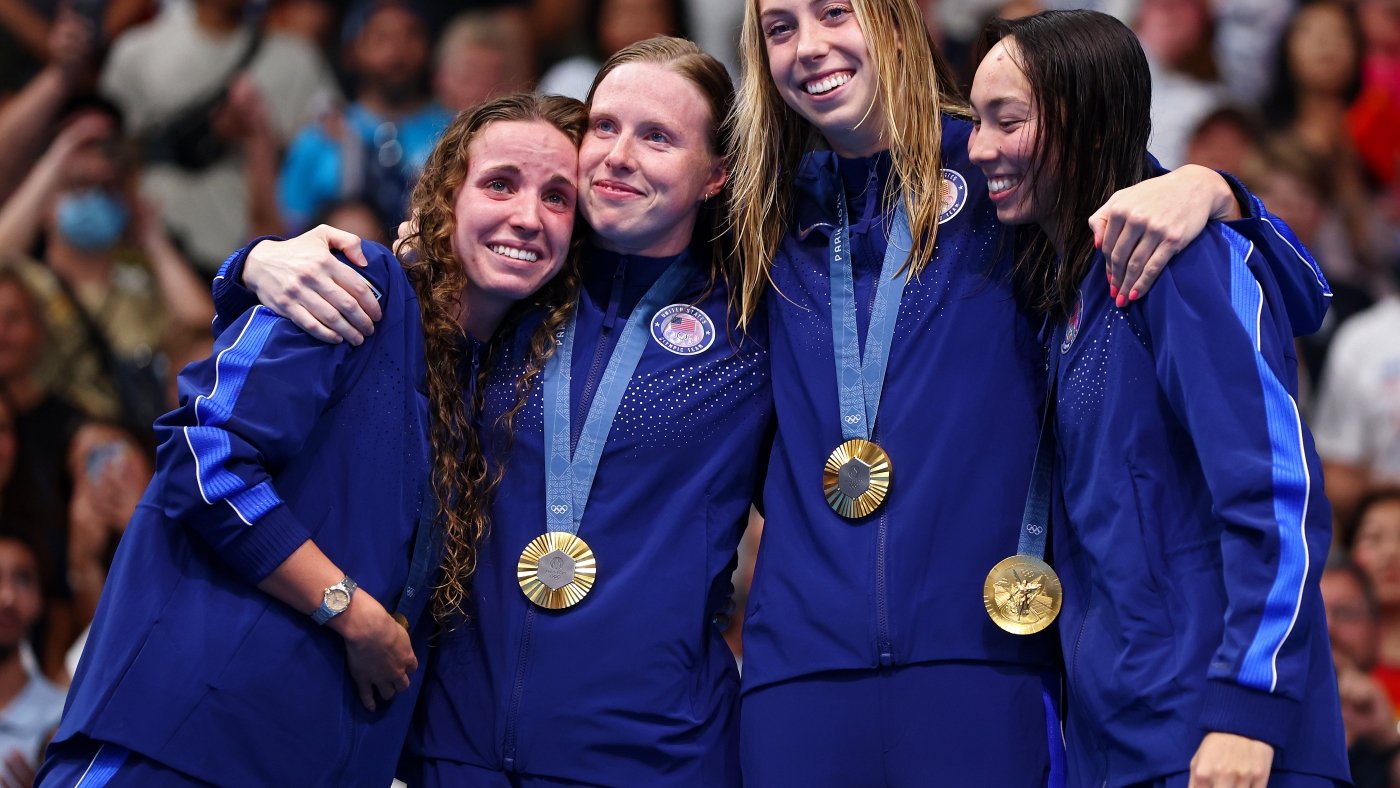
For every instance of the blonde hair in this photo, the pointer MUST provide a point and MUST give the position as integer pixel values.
(769, 138)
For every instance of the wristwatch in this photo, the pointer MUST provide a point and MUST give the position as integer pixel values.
(335, 600)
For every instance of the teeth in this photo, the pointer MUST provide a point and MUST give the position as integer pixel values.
(826, 85)
(516, 254)
(1000, 184)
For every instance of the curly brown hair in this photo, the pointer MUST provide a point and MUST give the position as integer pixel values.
(461, 479)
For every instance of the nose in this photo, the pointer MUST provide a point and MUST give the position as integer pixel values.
(811, 42)
(980, 148)
(620, 154)
(526, 219)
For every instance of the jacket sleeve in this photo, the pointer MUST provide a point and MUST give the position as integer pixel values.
(247, 410)
(1225, 363)
(231, 297)
(1302, 286)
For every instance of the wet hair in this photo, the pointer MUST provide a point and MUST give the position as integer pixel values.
(1092, 92)
(710, 78)
(461, 478)
(916, 89)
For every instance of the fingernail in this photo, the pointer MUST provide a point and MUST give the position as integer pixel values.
(1112, 290)
(1120, 301)
(1133, 296)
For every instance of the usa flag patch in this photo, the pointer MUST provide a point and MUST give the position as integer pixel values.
(683, 329)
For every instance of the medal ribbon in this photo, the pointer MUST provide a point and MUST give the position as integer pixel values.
(1035, 522)
(860, 380)
(569, 478)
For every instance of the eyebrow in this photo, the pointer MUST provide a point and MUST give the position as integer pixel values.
(1001, 101)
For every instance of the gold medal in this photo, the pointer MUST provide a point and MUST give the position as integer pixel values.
(556, 570)
(857, 478)
(1022, 594)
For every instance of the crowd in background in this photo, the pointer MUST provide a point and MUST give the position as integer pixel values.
(143, 140)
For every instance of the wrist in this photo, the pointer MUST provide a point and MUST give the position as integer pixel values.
(354, 624)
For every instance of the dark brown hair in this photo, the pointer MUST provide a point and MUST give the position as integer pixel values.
(1092, 92)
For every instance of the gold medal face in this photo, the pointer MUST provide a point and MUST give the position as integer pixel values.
(1022, 594)
(556, 570)
(857, 477)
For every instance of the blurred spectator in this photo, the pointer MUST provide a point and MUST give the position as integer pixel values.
(315, 21)
(183, 347)
(1178, 36)
(1372, 538)
(611, 25)
(37, 495)
(1368, 713)
(374, 150)
(1317, 80)
(25, 119)
(30, 705)
(1358, 416)
(105, 311)
(481, 55)
(1227, 139)
(212, 98)
(1376, 116)
(356, 217)
(26, 27)
(110, 471)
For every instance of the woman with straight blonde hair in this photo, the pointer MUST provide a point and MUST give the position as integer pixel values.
(907, 380)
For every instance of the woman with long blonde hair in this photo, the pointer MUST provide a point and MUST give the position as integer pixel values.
(244, 636)
(907, 379)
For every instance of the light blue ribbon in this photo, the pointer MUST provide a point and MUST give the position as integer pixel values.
(569, 476)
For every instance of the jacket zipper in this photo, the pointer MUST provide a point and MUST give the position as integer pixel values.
(600, 353)
(513, 716)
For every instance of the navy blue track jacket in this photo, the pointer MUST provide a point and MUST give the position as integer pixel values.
(959, 419)
(1192, 526)
(634, 685)
(279, 438)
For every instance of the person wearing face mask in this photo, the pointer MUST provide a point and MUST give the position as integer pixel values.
(110, 281)
(244, 636)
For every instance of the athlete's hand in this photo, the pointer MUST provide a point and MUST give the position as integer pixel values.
(402, 247)
(1142, 227)
(1225, 760)
(378, 650)
(302, 281)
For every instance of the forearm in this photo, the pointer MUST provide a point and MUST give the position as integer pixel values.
(22, 215)
(261, 155)
(23, 122)
(28, 26)
(185, 295)
(302, 578)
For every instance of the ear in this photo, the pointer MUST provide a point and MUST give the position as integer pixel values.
(719, 176)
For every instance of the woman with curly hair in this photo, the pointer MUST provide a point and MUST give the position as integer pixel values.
(624, 464)
(244, 636)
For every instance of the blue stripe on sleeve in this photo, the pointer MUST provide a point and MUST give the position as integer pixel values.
(104, 766)
(209, 443)
(1291, 486)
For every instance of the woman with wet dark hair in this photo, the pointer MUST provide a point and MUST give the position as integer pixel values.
(1189, 529)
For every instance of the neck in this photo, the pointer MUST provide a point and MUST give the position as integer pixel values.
(857, 145)
(480, 315)
(13, 676)
(389, 105)
(675, 242)
(1389, 651)
(216, 17)
(23, 392)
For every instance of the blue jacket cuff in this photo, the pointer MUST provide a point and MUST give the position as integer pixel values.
(231, 297)
(266, 544)
(1231, 708)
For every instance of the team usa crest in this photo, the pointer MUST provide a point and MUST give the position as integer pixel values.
(1072, 328)
(953, 197)
(683, 329)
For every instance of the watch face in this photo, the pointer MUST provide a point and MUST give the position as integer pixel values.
(337, 599)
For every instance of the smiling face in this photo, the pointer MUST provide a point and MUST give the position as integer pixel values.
(821, 66)
(1004, 136)
(646, 162)
(514, 212)
(20, 599)
(1377, 551)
